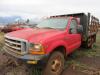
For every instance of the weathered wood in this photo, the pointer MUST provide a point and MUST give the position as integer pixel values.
(93, 25)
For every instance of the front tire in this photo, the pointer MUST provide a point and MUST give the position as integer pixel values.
(55, 64)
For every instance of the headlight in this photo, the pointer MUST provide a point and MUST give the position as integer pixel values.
(36, 49)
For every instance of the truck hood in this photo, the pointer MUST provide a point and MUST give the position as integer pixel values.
(34, 35)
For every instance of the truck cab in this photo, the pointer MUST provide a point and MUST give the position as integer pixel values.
(50, 41)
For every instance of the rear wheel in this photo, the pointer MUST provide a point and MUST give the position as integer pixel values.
(55, 64)
(90, 42)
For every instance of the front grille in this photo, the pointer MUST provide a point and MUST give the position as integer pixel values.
(16, 45)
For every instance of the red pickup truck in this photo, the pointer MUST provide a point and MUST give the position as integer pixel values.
(52, 40)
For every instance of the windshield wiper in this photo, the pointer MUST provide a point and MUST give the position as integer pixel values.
(35, 27)
(48, 28)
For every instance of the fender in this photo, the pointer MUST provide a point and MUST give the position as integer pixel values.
(53, 45)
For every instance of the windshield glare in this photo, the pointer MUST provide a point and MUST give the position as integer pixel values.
(56, 23)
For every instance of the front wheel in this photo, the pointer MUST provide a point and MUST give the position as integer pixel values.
(55, 64)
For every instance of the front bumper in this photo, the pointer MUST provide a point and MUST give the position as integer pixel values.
(29, 58)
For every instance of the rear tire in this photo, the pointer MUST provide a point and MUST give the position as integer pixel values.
(55, 64)
(90, 42)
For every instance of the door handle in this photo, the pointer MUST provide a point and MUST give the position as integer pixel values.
(66, 38)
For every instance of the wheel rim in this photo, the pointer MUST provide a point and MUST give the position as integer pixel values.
(56, 64)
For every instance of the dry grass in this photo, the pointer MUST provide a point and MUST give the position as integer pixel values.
(1, 39)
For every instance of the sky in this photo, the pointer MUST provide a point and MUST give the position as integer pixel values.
(43, 8)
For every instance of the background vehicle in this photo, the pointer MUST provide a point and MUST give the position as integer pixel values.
(10, 28)
(15, 27)
(52, 40)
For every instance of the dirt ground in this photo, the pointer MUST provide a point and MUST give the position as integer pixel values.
(81, 62)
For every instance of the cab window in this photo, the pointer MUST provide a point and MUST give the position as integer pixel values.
(73, 27)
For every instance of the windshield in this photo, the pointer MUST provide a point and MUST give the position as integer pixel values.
(56, 23)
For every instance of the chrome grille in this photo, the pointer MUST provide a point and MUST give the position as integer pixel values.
(16, 45)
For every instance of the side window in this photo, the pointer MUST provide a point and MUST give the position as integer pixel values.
(73, 27)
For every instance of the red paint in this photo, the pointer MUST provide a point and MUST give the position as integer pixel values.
(50, 38)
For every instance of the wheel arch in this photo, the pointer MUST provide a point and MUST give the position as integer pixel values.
(61, 49)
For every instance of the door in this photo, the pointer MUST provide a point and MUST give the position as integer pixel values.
(73, 36)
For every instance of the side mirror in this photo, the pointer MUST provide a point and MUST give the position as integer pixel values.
(70, 30)
(80, 29)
